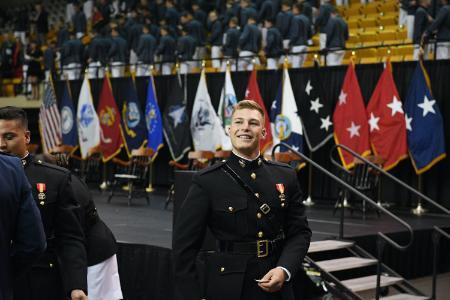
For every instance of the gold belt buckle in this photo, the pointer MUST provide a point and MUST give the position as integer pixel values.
(262, 248)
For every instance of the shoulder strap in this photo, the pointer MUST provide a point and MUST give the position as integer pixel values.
(264, 208)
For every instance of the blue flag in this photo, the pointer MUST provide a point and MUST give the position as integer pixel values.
(133, 121)
(68, 118)
(423, 123)
(153, 119)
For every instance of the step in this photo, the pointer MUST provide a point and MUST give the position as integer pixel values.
(369, 282)
(328, 245)
(404, 297)
(345, 263)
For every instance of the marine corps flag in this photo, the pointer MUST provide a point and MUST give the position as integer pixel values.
(111, 140)
(350, 122)
(176, 122)
(423, 123)
(87, 120)
(252, 93)
(207, 132)
(153, 119)
(133, 121)
(68, 124)
(315, 112)
(387, 121)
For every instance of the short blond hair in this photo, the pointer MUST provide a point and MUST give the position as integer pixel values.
(248, 104)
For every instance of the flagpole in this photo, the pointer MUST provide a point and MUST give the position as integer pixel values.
(308, 201)
(419, 210)
(150, 188)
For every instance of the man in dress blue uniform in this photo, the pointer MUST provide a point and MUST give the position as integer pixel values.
(253, 207)
(62, 271)
(22, 237)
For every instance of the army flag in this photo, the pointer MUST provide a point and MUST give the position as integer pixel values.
(207, 132)
(351, 128)
(111, 139)
(227, 101)
(153, 119)
(425, 130)
(287, 125)
(68, 124)
(133, 121)
(87, 121)
(176, 122)
(387, 128)
(315, 112)
(50, 120)
(252, 93)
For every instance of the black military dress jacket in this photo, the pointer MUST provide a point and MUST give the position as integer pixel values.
(63, 267)
(216, 201)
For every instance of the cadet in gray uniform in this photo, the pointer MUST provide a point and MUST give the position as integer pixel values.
(441, 26)
(118, 53)
(249, 44)
(72, 54)
(299, 34)
(337, 34)
(231, 44)
(274, 45)
(145, 52)
(166, 51)
(215, 38)
(186, 46)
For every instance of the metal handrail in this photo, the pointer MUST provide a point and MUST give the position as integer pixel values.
(379, 169)
(438, 232)
(382, 238)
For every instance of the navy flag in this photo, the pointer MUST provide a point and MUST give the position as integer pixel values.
(133, 121)
(316, 112)
(176, 122)
(68, 118)
(153, 119)
(423, 123)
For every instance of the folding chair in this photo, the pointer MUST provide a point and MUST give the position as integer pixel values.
(134, 173)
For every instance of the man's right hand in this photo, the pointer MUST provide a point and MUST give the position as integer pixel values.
(78, 295)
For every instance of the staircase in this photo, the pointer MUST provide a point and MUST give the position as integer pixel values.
(349, 272)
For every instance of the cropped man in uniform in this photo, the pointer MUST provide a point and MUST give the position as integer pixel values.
(253, 207)
(61, 272)
(22, 237)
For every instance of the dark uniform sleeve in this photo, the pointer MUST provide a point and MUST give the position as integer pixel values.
(189, 231)
(437, 23)
(29, 240)
(70, 237)
(297, 231)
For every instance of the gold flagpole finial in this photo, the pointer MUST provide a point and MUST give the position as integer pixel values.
(203, 64)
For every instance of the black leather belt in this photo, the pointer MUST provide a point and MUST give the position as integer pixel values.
(260, 248)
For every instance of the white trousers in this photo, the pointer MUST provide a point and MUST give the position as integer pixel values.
(322, 40)
(143, 69)
(72, 71)
(104, 281)
(335, 58)
(216, 53)
(273, 62)
(95, 70)
(79, 35)
(87, 9)
(246, 63)
(117, 69)
(410, 26)
(443, 50)
(298, 58)
(166, 68)
(187, 66)
(70, 11)
(22, 35)
(402, 17)
(341, 2)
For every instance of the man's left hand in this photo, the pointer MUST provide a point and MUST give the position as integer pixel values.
(78, 295)
(275, 279)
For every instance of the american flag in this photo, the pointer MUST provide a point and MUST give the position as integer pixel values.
(50, 120)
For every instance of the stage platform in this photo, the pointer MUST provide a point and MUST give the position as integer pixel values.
(144, 233)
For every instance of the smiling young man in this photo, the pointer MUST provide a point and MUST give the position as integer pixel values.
(254, 209)
(61, 271)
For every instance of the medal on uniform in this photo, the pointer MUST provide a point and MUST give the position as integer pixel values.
(280, 189)
(41, 189)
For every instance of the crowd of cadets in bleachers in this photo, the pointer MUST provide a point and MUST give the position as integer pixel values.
(146, 33)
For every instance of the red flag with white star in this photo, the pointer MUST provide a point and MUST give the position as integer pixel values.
(350, 122)
(387, 126)
(252, 93)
